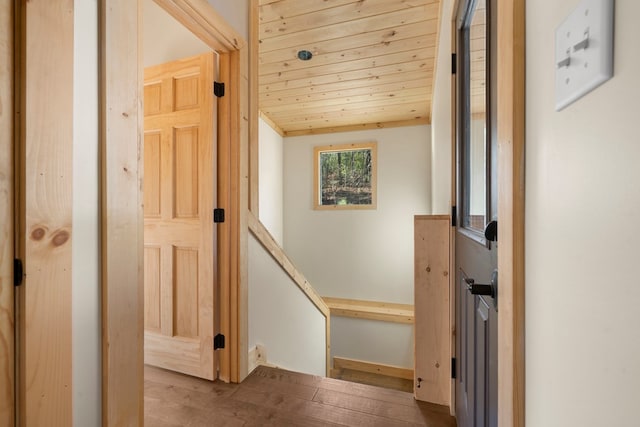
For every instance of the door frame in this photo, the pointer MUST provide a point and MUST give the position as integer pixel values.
(511, 199)
(7, 234)
(511, 203)
(122, 228)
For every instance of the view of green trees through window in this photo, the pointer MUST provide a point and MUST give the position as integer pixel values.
(345, 177)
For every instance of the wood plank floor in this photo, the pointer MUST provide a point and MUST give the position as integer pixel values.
(275, 397)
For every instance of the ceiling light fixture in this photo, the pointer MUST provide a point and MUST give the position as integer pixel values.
(304, 55)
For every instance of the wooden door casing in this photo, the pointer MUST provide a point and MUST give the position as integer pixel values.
(179, 234)
(7, 313)
(45, 214)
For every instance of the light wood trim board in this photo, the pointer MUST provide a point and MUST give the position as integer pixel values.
(364, 126)
(372, 310)
(45, 214)
(452, 233)
(374, 368)
(224, 229)
(122, 216)
(511, 200)
(272, 124)
(432, 339)
(254, 145)
(239, 209)
(7, 234)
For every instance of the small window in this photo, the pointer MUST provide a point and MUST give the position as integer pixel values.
(345, 176)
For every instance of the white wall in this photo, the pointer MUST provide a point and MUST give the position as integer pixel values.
(86, 314)
(281, 317)
(271, 175)
(582, 228)
(373, 341)
(165, 39)
(360, 254)
(235, 13)
(441, 118)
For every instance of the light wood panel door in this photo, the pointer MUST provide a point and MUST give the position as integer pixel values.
(179, 234)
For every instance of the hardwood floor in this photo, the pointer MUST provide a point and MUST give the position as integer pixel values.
(275, 397)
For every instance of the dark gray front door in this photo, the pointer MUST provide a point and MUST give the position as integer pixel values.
(476, 245)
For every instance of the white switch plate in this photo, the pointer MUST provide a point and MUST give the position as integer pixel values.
(585, 38)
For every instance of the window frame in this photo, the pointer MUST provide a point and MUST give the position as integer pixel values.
(317, 151)
(466, 12)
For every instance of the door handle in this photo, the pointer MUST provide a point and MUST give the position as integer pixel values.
(478, 289)
(483, 289)
(491, 231)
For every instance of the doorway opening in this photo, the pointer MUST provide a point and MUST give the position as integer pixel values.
(180, 152)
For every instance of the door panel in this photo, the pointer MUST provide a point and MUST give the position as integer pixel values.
(476, 256)
(179, 234)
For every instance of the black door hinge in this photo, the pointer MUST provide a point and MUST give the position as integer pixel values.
(218, 215)
(18, 272)
(454, 216)
(218, 342)
(218, 89)
(454, 63)
(453, 368)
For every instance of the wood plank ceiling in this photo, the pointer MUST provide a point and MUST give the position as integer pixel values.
(372, 66)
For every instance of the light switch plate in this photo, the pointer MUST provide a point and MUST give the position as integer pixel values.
(584, 51)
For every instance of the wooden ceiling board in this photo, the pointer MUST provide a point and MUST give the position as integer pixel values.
(339, 15)
(478, 56)
(391, 90)
(347, 90)
(341, 122)
(373, 63)
(377, 75)
(388, 21)
(355, 43)
(421, 44)
(279, 9)
(423, 56)
(337, 104)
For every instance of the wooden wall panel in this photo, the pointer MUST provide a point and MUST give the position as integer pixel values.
(122, 226)
(7, 314)
(432, 330)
